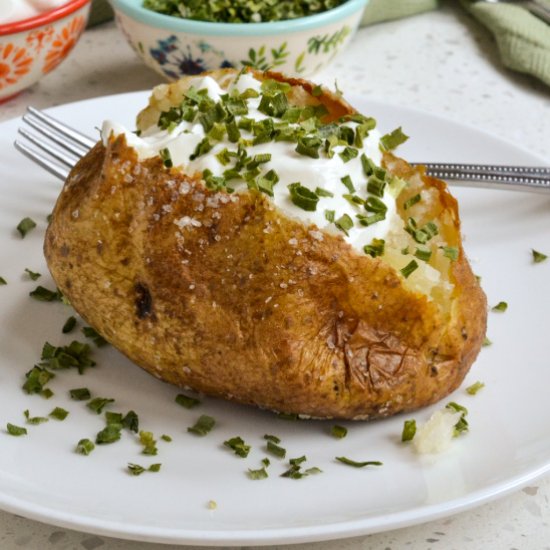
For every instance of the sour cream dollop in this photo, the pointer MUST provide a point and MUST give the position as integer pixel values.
(314, 173)
(18, 10)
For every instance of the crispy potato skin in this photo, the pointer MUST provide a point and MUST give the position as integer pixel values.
(251, 305)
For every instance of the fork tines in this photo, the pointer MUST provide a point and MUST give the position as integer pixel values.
(57, 147)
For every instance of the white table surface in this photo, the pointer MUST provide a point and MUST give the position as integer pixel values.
(441, 62)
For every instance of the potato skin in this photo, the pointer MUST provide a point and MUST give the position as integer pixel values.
(246, 304)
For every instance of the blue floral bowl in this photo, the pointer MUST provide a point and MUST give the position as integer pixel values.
(176, 47)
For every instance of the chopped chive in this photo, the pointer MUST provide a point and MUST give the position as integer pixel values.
(344, 223)
(3, 281)
(84, 447)
(69, 325)
(355, 464)
(450, 252)
(276, 450)
(274, 105)
(203, 147)
(131, 421)
(374, 204)
(323, 192)
(25, 225)
(266, 182)
(272, 438)
(109, 434)
(486, 342)
(59, 414)
(154, 467)
(261, 473)
(186, 401)
(32, 274)
(12, 429)
(339, 432)
(36, 379)
(409, 430)
(423, 254)
(302, 197)
(34, 420)
(308, 146)
(43, 294)
(99, 403)
(462, 425)
(393, 139)
(295, 471)
(372, 219)
(475, 387)
(367, 164)
(233, 133)
(238, 446)
(456, 407)
(80, 394)
(424, 234)
(376, 186)
(203, 425)
(346, 180)
(135, 469)
(330, 215)
(409, 268)
(348, 153)
(411, 201)
(46, 393)
(354, 199)
(149, 443)
(538, 257)
(166, 438)
(501, 306)
(375, 248)
(166, 157)
(113, 418)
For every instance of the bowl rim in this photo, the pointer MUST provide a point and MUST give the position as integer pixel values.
(135, 10)
(43, 18)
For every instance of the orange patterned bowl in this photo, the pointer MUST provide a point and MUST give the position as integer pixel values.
(33, 47)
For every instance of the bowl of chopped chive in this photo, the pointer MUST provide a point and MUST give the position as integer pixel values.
(186, 37)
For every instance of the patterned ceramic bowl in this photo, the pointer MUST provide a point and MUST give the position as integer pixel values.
(33, 47)
(175, 47)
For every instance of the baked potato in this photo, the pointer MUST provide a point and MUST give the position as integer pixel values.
(222, 291)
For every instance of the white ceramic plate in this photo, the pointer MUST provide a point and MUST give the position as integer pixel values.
(508, 445)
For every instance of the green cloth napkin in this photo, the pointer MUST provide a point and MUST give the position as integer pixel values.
(384, 10)
(522, 38)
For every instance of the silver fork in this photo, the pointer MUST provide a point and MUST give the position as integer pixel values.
(57, 148)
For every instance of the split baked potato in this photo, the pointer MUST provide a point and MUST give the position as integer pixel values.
(246, 303)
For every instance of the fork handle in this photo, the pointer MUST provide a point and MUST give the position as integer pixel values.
(536, 184)
(488, 169)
